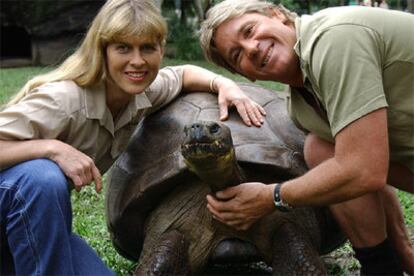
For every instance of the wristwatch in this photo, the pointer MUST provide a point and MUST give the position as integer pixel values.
(277, 199)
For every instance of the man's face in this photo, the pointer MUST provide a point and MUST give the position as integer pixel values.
(260, 47)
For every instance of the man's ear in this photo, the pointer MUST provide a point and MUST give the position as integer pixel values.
(247, 77)
(276, 13)
(250, 79)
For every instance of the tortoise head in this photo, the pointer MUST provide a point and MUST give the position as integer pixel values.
(209, 153)
(206, 141)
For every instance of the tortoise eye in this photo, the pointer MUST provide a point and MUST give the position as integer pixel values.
(214, 128)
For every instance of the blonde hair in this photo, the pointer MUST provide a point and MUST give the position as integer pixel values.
(228, 10)
(116, 20)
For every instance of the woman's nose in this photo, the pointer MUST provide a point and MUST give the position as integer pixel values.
(137, 58)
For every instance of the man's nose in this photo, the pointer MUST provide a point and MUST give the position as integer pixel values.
(251, 47)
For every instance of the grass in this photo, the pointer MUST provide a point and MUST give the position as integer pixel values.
(88, 207)
(11, 80)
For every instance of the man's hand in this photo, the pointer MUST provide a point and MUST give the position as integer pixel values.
(76, 165)
(229, 94)
(241, 206)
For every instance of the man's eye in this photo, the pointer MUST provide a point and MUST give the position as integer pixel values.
(235, 57)
(248, 31)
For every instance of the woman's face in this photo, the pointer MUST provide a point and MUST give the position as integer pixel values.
(260, 47)
(132, 66)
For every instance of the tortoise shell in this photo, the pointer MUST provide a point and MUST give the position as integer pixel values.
(152, 164)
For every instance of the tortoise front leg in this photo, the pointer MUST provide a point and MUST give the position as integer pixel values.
(294, 254)
(168, 257)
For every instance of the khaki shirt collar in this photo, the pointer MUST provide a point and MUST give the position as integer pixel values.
(298, 49)
(96, 108)
(139, 102)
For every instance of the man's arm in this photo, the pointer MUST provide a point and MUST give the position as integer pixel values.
(360, 166)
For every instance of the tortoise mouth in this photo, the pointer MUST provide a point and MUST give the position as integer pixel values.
(201, 150)
(205, 141)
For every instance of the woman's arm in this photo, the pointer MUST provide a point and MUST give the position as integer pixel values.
(76, 165)
(198, 79)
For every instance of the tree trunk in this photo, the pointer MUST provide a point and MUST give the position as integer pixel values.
(410, 6)
(199, 10)
(159, 3)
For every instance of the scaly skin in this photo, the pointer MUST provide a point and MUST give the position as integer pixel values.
(169, 256)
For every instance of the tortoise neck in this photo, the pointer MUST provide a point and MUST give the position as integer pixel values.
(220, 173)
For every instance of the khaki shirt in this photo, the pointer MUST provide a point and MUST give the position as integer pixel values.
(356, 60)
(80, 117)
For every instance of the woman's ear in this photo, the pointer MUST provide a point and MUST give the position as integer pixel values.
(162, 50)
(276, 13)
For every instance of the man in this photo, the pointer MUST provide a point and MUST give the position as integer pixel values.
(351, 76)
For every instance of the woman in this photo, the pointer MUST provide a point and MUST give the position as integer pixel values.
(69, 125)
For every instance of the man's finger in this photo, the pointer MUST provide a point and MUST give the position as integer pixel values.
(239, 225)
(226, 194)
(219, 206)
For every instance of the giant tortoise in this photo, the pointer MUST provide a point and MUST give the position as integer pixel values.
(155, 201)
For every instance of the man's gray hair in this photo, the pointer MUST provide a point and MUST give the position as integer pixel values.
(228, 10)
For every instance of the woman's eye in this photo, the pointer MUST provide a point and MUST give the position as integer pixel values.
(149, 47)
(122, 48)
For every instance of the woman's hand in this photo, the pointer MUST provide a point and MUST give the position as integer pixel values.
(76, 165)
(229, 94)
(197, 79)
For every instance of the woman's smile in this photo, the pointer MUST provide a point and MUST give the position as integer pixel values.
(136, 76)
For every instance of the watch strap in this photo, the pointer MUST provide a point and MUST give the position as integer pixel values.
(279, 203)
